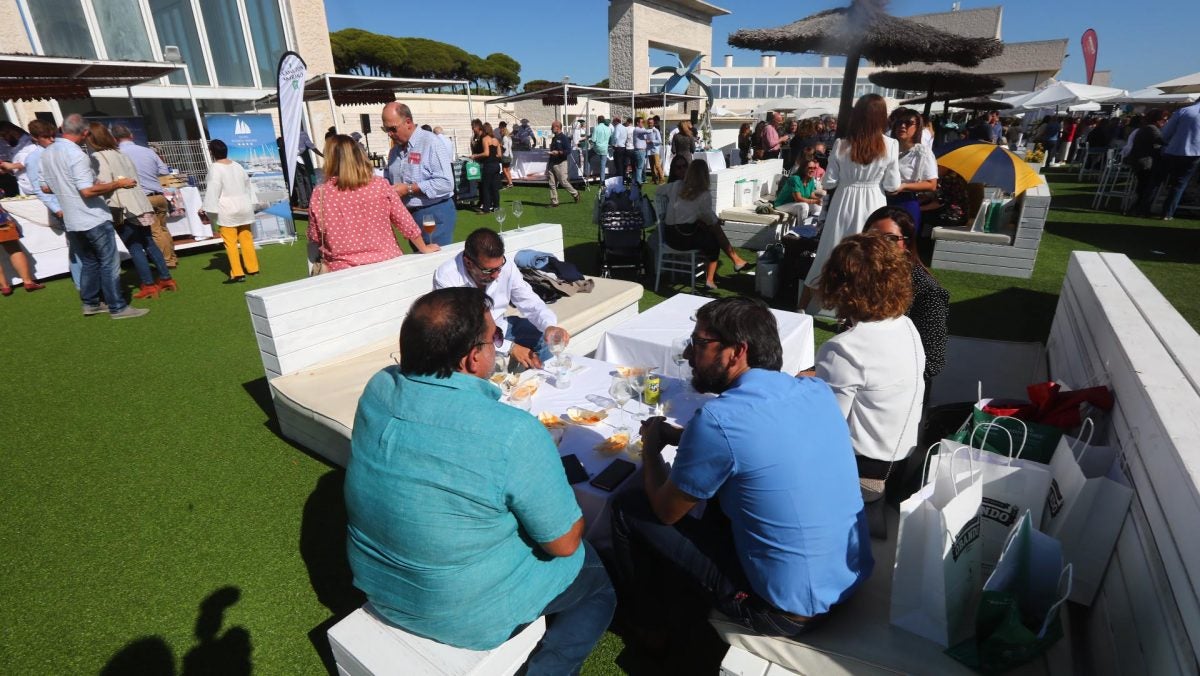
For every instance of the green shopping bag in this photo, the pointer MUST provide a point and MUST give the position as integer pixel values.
(1036, 440)
(474, 173)
(1018, 616)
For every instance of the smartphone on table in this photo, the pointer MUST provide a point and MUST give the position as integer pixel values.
(576, 474)
(612, 476)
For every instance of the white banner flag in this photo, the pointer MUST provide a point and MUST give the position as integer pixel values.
(292, 74)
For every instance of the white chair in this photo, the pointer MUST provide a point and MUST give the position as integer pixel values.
(690, 262)
(1116, 181)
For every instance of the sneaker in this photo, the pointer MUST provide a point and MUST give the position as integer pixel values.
(129, 312)
(576, 197)
(89, 310)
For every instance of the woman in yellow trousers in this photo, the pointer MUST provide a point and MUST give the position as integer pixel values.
(230, 199)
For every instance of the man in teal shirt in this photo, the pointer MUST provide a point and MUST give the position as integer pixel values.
(798, 194)
(601, 134)
(462, 527)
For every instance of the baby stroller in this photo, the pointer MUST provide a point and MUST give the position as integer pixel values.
(621, 216)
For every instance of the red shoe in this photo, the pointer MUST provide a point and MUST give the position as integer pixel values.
(34, 286)
(148, 290)
(6, 291)
(167, 285)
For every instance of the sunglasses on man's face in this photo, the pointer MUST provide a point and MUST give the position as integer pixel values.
(392, 129)
(488, 271)
(497, 339)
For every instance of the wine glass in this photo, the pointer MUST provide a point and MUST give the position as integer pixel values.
(678, 347)
(518, 209)
(637, 381)
(556, 342)
(428, 224)
(620, 391)
(500, 216)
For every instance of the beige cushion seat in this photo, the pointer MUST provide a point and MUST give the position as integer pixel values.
(965, 234)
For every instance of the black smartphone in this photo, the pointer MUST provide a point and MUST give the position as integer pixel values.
(613, 475)
(576, 474)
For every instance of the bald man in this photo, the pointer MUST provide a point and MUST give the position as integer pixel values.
(420, 169)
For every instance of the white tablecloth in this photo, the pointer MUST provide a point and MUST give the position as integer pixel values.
(593, 377)
(646, 339)
(531, 165)
(715, 159)
(46, 243)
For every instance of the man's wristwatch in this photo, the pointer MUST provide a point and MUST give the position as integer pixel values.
(412, 188)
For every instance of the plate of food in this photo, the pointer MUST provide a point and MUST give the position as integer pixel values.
(525, 388)
(626, 371)
(614, 444)
(583, 416)
(551, 420)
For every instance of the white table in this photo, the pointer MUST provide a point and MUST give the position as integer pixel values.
(715, 159)
(46, 243)
(593, 377)
(646, 339)
(530, 165)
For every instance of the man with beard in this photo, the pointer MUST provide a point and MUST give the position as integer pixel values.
(788, 540)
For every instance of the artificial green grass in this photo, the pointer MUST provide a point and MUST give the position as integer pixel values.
(152, 520)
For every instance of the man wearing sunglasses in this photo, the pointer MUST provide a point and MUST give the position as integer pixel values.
(461, 524)
(483, 265)
(420, 168)
(792, 541)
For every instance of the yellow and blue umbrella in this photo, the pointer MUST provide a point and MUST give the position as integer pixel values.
(990, 164)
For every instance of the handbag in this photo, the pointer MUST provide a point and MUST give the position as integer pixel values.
(9, 230)
(472, 170)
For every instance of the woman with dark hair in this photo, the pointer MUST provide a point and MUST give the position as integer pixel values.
(485, 150)
(683, 144)
(353, 214)
(691, 223)
(930, 307)
(229, 202)
(918, 167)
(132, 212)
(1145, 158)
(864, 165)
(743, 143)
(875, 366)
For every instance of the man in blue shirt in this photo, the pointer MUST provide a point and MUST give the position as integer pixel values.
(421, 168)
(557, 172)
(149, 167)
(1180, 155)
(601, 135)
(462, 527)
(775, 451)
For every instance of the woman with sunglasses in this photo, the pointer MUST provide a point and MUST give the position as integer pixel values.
(930, 307)
(918, 167)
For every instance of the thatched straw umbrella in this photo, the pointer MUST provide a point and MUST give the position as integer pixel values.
(949, 81)
(865, 30)
(981, 103)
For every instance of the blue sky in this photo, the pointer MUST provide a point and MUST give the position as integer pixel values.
(552, 39)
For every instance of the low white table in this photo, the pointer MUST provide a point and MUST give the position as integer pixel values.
(646, 339)
(593, 377)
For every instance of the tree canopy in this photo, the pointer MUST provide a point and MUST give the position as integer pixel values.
(360, 52)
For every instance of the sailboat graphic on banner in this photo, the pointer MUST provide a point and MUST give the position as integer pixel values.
(241, 127)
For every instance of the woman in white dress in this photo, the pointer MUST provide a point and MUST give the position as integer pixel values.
(918, 166)
(229, 202)
(862, 167)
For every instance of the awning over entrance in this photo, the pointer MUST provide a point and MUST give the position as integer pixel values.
(28, 77)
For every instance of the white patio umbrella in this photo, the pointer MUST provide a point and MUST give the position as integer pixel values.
(781, 104)
(1070, 94)
(1088, 107)
(1153, 95)
(1188, 84)
(1016, 101)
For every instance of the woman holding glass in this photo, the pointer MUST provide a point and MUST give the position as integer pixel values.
(485, 150)
(352, 214)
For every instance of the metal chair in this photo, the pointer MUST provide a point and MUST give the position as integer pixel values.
(1089, 157)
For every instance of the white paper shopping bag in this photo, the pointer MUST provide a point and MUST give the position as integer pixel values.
(1085, 508)
(936, 579)
(1011, 486)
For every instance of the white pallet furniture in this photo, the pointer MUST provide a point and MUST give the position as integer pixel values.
(1010, 253)
(1112, 327)
(322, 338)
(364, 645)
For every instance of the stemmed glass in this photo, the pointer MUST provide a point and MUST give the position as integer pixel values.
(556, 342)
(621, 392)
(637, 381)
(500, 216)
(678, 347)
(428, 224)
(518, 209)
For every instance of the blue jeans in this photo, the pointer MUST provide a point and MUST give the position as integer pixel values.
(522, 332)
(1179, 170)
(446, 216)
(97, 249)
(575, 620)
(697, 554)
(602, 157)
(143, 251)
(639, 166)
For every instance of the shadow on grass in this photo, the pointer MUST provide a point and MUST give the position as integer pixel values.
(260, 391)
(323, 549)
(1012, 314)
(215, 652)
(1158, 243)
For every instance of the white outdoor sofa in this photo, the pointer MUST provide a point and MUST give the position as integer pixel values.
(1012, 252)
(745, 228)
(322, 338)
(1112, 327)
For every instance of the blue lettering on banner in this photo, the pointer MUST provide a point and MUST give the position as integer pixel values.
(965, 538)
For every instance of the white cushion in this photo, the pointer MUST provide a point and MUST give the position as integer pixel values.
(964, 235)
(748, 215)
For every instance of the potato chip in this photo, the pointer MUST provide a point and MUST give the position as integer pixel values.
(583, 416)
(525, 389)
(614, 444)
(550, 420)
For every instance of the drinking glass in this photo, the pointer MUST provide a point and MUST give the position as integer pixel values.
(637, 381)
(678, 347)
(621, 392)
(556, 342)
(518, 209)
(500, 215)
(428, 224)
(521, 400)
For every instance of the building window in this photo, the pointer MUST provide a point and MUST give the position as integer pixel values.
(62, 28)
(227, 43)
(176, 25)
(123, 30)
(266, 29)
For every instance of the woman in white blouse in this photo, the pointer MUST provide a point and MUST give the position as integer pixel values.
(690, 222)
(918, 166)
(229, 202)
(875, 367)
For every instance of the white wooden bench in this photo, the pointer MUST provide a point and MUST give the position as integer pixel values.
(1009, 253)
(322, 338)
(363, 645)
(745, 228)
(1112, 327)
